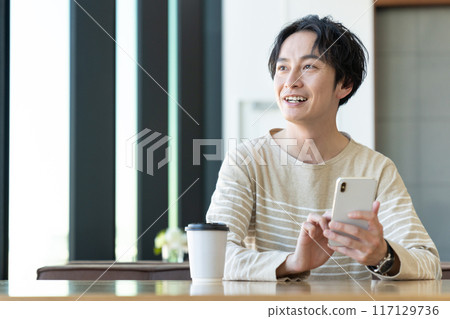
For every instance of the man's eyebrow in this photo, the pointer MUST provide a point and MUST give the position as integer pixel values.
(310, 56)
(305, 57)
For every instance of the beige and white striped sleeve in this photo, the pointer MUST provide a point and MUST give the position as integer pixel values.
(233, 203)
(419, 258)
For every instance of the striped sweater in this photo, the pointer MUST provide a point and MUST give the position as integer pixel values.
(264, 194)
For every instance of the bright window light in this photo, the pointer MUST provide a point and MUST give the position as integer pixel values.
(126, 127)
(39, 136)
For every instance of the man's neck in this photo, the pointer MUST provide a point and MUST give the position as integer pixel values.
(328, 141)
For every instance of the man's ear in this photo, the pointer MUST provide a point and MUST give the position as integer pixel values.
(342, 91)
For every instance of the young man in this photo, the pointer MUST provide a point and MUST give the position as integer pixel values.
(274, 196)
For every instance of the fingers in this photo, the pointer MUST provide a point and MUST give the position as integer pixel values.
(347, 241)
(364, 254)
(327, 214)
(360, 214)
(308, 229)
(312, 230)
(365, 245)
(376, 207)
(366, 215)
(369, 236)
(316, 224)
(318, 219)
(356, 231)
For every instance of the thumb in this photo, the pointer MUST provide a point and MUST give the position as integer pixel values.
(376, 207)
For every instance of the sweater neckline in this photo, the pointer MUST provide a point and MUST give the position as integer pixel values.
(294, 161)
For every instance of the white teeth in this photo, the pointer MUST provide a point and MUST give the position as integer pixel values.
(295, 99)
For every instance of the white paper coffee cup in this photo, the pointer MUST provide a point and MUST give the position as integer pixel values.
(207, 244)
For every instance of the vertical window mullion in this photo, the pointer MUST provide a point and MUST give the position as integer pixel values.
(4, 137)
(152, 115)
(92, 131)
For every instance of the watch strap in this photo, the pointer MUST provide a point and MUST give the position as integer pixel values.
(385, 264)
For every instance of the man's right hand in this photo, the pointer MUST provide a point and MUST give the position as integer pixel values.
(312, 248)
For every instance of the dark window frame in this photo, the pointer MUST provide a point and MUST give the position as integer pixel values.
(92, 131)
(152, 114)
(4, 136)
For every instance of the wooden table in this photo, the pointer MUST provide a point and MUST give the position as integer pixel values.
(227, 290)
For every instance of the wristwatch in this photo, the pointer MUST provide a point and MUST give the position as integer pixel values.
(386, 263)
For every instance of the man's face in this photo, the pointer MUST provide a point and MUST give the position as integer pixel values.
(305, 86)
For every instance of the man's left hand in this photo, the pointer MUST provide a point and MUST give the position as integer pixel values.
(369, 247)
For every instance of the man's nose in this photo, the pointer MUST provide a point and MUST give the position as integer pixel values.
(293, 80)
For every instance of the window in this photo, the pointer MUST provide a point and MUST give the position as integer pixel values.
(39, 136)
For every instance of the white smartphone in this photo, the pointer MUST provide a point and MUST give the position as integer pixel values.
(352, 193)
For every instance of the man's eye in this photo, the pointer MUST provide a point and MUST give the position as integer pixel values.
(308, 67)
(282, 68)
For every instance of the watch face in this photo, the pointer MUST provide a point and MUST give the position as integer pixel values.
(387, 265)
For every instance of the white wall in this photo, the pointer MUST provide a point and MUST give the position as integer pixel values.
(249, 29)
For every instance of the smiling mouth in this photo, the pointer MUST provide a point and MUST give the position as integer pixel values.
(295, 99)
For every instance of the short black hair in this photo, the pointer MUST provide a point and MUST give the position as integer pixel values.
(338, 46)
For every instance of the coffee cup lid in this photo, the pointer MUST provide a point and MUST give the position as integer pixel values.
(207, 226)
